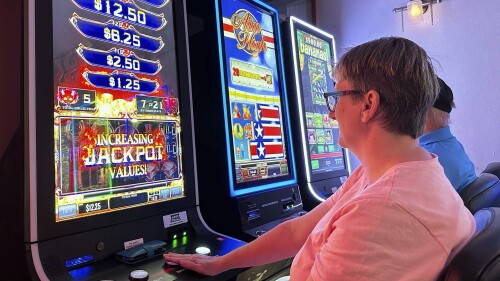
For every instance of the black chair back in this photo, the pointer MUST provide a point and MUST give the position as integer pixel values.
(481, 193)
(480, 257)
(493, 168)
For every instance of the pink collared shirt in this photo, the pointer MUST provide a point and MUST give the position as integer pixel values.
(405, 226)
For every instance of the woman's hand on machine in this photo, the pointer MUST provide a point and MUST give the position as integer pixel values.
(206, 265)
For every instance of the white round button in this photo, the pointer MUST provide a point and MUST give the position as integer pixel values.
(138, 275)
(203, 250)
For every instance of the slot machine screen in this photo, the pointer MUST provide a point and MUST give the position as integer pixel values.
(117, 124)
(259, 144)
(316, 56)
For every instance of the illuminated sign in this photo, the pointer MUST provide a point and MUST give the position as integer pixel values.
(117, 126)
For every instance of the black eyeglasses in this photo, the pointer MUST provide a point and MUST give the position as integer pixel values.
(333, 97)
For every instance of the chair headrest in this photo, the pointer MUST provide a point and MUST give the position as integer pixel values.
(481, 193)
(493, 168)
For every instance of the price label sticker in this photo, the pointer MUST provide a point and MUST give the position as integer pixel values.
(133, 243)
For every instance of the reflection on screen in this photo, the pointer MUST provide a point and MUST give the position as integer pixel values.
(258, 141)
(116, 109)
(315, 61)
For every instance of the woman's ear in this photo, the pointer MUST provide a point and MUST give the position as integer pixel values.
(369, 105)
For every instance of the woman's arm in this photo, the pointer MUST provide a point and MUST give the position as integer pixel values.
(283, 241)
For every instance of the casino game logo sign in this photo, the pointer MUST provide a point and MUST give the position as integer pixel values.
(248, 32)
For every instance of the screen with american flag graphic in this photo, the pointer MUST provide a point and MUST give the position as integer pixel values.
(255, 103)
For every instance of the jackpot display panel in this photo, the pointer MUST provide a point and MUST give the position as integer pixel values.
(116, 107)
(243, 137)
(110, 138)
(322, 163)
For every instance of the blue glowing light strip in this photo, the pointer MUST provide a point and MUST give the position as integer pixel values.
(78, 261)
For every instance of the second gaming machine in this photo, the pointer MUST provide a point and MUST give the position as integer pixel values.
(244, 148)
(322, 164)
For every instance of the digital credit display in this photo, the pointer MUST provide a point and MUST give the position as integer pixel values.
(117, 126)
(315, 61)
(254, 93)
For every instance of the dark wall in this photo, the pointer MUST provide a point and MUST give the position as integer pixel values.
(10, 70)
(12, 257)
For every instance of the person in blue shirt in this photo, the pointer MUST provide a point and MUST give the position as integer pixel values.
(438, 139)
